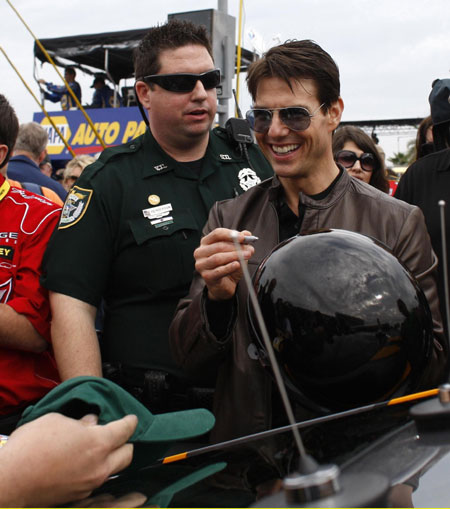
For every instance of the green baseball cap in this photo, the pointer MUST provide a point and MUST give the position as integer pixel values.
(87, 394)
(153, 437)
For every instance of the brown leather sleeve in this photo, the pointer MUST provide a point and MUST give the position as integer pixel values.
(194, 347)
(414, 249)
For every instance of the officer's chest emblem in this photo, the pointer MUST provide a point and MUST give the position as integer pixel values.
(248, 178)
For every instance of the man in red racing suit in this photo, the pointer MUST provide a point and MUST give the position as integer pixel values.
(27, 367)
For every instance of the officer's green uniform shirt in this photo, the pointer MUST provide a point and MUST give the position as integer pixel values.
(128, 231)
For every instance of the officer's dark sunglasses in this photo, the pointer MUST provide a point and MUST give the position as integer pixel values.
(348, 158)
(296, 118)
(184, 81)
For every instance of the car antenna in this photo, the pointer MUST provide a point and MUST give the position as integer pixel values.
(442, 205)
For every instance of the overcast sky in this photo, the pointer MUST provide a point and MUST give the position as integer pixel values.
(388, 51)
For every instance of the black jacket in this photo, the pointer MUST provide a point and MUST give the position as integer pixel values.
(425, 183)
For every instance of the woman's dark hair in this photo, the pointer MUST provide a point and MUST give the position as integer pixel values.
(298, 60)
(366, 144)
(423, 147)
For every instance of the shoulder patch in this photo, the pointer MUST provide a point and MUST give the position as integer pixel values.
(75, 206)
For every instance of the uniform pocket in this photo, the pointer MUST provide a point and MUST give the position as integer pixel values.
(166, 251)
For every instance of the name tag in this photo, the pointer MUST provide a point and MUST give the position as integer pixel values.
(158, 212)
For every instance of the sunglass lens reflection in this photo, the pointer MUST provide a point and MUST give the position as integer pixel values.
(296, 119)
(211, 80)
(368, 162)
(347, 159)
(259, 120)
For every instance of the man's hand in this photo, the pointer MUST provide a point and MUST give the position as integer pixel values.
(41, 81)
(133, 499)
(217, 261)
(55, 459)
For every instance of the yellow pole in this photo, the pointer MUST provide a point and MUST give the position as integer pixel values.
(239, 51)
(55, 127)
(412, 397)
(69, 89)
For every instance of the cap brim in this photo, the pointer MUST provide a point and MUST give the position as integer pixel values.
(176, 426)
(163, 497)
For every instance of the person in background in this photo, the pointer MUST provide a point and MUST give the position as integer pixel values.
(424, 139)
(73, 170)
(427, 180)
(59, 93)
(358, 154)
(29, 152)
(34, 188)
(27, 366)
(104, 95)
(46, 166)
(380, 149)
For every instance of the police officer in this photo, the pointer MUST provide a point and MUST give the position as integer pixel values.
(132, 221)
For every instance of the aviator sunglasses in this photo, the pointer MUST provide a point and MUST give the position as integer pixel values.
(348, 158)
(294, 117)
(184, 81)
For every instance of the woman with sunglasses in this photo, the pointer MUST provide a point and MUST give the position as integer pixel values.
(358, 154)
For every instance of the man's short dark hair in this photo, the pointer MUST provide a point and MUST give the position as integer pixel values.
(172, 35)
(9, 127)
(70, 70)
(298, 60)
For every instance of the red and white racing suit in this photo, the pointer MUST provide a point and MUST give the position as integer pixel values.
(26, 223)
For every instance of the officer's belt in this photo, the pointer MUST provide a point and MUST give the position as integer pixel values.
(158, 390)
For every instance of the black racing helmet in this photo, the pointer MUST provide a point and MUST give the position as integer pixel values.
(348, 323)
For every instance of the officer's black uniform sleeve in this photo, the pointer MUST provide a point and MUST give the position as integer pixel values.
(78, 258)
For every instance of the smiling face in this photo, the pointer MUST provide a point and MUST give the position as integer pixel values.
(301, 156)
(356, 170)
(181, 121)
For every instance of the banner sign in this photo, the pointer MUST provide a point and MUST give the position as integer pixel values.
(114, 125)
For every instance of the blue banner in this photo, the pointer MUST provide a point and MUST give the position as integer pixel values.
(114, 125)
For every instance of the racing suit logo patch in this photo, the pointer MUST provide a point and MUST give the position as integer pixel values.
(5, 290)
(6, 252)
(248, 178)
(75, 206)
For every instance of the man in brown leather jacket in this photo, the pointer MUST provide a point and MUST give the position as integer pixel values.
(297, 106)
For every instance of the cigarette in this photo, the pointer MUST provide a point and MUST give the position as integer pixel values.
(250, 239)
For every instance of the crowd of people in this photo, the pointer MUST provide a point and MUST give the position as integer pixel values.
(127, 269)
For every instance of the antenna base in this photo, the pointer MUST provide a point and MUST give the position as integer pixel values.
(432, 418)
(355, 490)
